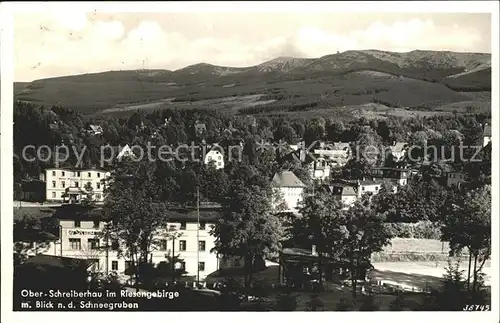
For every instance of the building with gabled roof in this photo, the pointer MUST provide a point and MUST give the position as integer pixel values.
(291, 188)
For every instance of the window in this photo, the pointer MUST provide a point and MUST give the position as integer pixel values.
(78, 174)
(77, 223)
(96, 224)
(98, 174)
(219, 157)
(76, 184)
(89, 183)
(53, 183)
(98, 196)
(182, 265)
(89, 174)
(163, 245)
(75, 243)
(114, 265)
(201, 266)
(201, 245)
(236, 262)
(182, 245)
(128, 264)
(115, 245)
(183, 225)
(53, 173)
(363, 188)
(62, 194)
(219, 164)
(53, 194)
(62, 173)
(98, 185)
(63, 184)
(93, 244)
(376, 188)
(203, 225)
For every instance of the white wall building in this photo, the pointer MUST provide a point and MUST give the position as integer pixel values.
(68, 184)
(79, 239)
(215, 157)
(290, 187)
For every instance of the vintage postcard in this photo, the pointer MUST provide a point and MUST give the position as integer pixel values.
(250, 157)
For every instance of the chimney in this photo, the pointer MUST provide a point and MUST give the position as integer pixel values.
(313, 250)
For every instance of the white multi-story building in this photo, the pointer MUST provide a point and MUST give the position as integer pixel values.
(79, 237)
(291, 189)
(215, 157)
(63, 185)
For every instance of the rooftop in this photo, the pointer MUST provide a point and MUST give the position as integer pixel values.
(286, 179)
(398, 146)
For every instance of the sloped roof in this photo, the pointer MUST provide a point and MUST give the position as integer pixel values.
(200, 127)
(286, 179)
(94, 127)
(398, 147)
(342, 189)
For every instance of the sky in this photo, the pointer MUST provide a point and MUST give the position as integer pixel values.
(65, 43)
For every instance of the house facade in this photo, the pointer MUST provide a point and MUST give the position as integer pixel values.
(455, 179)
(63, 185)
(214, 157)
(291, 189)
(79, 237)
(398, 176)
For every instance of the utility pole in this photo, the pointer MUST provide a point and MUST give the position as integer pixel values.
(173, 262)
(198, 236)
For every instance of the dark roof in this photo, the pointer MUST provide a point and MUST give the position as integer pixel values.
(59, 262)
(79, 212)
(341, 189)
(286, 179)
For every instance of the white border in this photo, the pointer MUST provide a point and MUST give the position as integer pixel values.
(6, 44)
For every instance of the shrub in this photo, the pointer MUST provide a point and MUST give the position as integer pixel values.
(286, 302)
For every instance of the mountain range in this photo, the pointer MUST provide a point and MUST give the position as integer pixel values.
(91, 93)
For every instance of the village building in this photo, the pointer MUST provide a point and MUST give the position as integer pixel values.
(79, 237)
(398, 150)
(455, 179)
(68, 185)
(398, 176)
(291, 189)
(214, 157)
(94, 130)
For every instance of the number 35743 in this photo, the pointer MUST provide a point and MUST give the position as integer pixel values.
(473, 307)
